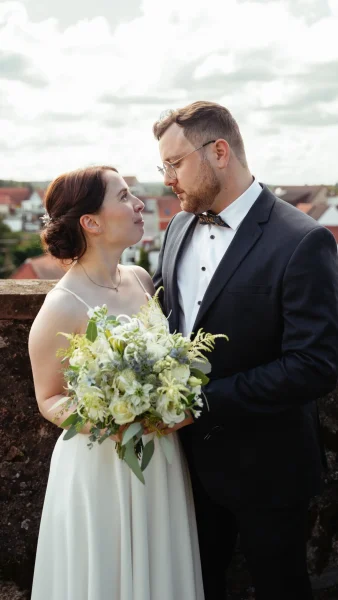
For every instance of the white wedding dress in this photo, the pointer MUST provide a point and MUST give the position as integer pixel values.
(106, 536)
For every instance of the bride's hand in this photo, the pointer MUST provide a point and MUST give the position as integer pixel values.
(159, 425)
(117, 437)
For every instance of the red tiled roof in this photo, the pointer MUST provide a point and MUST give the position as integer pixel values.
(304, 207)
(40, 267)
(25, 271)
(334, 231)
(313, 210)
(5, 199)
(18, 194)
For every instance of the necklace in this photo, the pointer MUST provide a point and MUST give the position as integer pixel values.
(114, 287)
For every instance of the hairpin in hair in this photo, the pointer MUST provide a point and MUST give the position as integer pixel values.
(46, 219)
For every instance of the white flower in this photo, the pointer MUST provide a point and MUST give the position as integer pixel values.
(97, 310)
(79, 357)
(170, 410)
(163, 364)
(126, 331)
(138, 397)
(125, 380)
(180, 372)
(101, 348)
(91, 399)
(120, 335)
(194, 381)
(171, 388)
(156, 351)
(132, 353)
(196, 390)
(99, 315)
(122, 411)
(195, 385)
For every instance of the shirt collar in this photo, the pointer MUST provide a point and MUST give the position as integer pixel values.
(234, 214)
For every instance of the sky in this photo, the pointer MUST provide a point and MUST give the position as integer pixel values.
(82, 82)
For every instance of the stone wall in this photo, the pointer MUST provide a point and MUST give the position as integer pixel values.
(26, 438)
(27, 441)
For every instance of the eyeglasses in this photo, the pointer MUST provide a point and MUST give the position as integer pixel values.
(168, 168)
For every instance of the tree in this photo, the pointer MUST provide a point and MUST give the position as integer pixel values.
(15, 248)
(7, 240)
(11, 183)
(143, 260)
(27, 249)
(5, 231)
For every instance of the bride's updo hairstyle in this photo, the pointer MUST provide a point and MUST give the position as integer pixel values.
(68, 197)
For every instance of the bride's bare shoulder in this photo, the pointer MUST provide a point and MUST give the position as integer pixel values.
(59, 312)
(144, 276)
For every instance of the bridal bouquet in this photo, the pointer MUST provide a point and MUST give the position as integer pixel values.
(133, 372)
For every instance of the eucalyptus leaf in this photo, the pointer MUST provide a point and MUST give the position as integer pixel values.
(200, 375)
(91, 332)
(103, 438)
(70, 433)
(112, 318)
(132, 461)
(148, 452)
(167, 447)
(71, 420)
(129, 433)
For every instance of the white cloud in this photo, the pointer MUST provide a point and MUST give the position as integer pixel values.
(89, 92)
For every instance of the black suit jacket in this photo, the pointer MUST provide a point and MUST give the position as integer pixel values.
(275, 294)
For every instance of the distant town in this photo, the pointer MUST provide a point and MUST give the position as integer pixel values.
(21, 209)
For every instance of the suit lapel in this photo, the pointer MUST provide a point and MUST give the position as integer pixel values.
(182, 238)
(246, 237)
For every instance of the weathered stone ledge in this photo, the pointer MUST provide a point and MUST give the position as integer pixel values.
(22, 298)
(27, 442)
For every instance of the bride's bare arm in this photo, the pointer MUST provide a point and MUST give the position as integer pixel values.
(59, 313)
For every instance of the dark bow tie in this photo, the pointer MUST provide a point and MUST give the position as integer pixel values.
(211, 219)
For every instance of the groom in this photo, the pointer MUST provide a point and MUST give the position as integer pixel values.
(240, 261)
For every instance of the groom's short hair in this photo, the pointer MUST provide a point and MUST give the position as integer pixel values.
(202, 119)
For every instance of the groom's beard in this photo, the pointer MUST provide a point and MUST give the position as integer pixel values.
(207, 188)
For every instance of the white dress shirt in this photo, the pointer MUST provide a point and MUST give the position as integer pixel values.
(202, 256)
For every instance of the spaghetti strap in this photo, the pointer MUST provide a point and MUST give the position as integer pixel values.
(148, 296)
(60, 287)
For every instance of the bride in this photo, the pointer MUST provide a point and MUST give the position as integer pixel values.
(103, 535)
